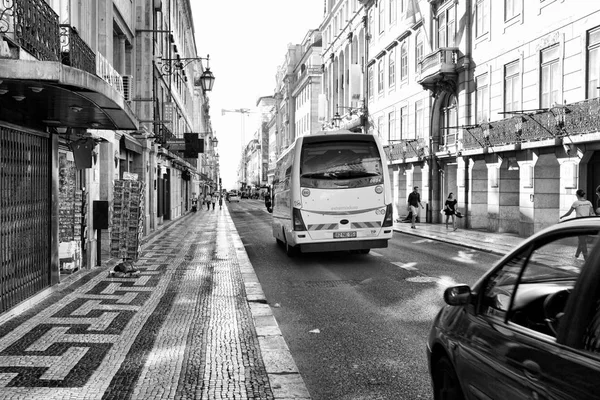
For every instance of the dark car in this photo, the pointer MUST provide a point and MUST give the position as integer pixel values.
(529, 328)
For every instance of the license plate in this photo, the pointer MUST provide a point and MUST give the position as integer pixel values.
(344, 235)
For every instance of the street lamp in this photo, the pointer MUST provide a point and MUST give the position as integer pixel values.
(214, 141)
(206, 80)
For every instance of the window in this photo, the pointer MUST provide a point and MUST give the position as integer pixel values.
(381, 16)
(418, 50)
(442, 30)
(380, 76)
(380, 127)
(481, 23)
(446, 28)
(512, 8)
(419, 122)
(449, 122)
(482, 111)
(371, 83)
(404, 61)
(550, 79)
(403, 122)
(512, 83)
(593, 64)
(393, 11)
(371, 22)
(392, 131)
(392, 68)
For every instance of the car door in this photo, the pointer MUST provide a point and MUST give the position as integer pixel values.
(481, 361)
(511, 346)
(551, 279)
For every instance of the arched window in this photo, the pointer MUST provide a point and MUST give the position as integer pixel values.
(449, 122)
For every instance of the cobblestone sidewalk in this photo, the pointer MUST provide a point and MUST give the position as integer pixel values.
(193, 325)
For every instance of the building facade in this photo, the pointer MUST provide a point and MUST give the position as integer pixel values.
(494, 101)
(90, 95)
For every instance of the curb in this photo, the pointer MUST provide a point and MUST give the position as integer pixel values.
(284, 378)
(464, 244)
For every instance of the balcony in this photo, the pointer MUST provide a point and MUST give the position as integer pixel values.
(438, 68)
(49, 74)
(165, 135)
(552, 123)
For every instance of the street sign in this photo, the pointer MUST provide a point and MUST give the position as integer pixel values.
(176, 144)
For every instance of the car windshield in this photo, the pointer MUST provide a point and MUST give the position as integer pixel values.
(340, 164)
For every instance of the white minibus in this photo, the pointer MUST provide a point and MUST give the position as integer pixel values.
(331, 192)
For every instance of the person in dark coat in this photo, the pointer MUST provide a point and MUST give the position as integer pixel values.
(450, 210)
(414, 202)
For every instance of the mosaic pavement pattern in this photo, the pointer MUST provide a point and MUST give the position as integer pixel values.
(181, 330)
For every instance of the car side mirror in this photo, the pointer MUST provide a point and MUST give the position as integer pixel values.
(457, 295)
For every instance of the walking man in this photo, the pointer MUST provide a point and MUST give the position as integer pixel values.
(414, 202)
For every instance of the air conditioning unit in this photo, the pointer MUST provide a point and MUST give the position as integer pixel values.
(127, 87)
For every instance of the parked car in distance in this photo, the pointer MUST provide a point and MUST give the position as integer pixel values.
(529, 328)
(234, 198)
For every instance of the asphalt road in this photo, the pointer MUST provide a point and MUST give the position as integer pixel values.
(357, 325)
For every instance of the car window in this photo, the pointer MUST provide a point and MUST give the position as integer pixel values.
(547, 280)
(500, 285)
(535, 284)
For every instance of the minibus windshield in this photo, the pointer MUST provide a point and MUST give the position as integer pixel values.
(342, 164)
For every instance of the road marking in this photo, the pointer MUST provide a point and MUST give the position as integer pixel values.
(376, 254)
(423, 241)
(407, 266)
(465, 257)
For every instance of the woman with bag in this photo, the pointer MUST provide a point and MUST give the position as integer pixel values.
(450, 210)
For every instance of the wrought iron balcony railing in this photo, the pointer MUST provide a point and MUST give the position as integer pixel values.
(74, 51)
(555, 122)
(34, 26)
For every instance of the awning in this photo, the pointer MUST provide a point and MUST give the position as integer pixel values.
(48, 93)
(131, 144)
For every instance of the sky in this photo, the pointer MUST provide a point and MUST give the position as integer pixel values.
(246, 41)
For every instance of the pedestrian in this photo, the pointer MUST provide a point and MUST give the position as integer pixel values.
(582, 208)
(213, 200)
(450, 210)
(194, 203)
(414, 202)
(208, 200)
(220, 201)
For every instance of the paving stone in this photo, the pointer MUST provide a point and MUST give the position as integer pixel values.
(183, 329)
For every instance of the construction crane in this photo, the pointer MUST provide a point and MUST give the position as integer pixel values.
(243, 112)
